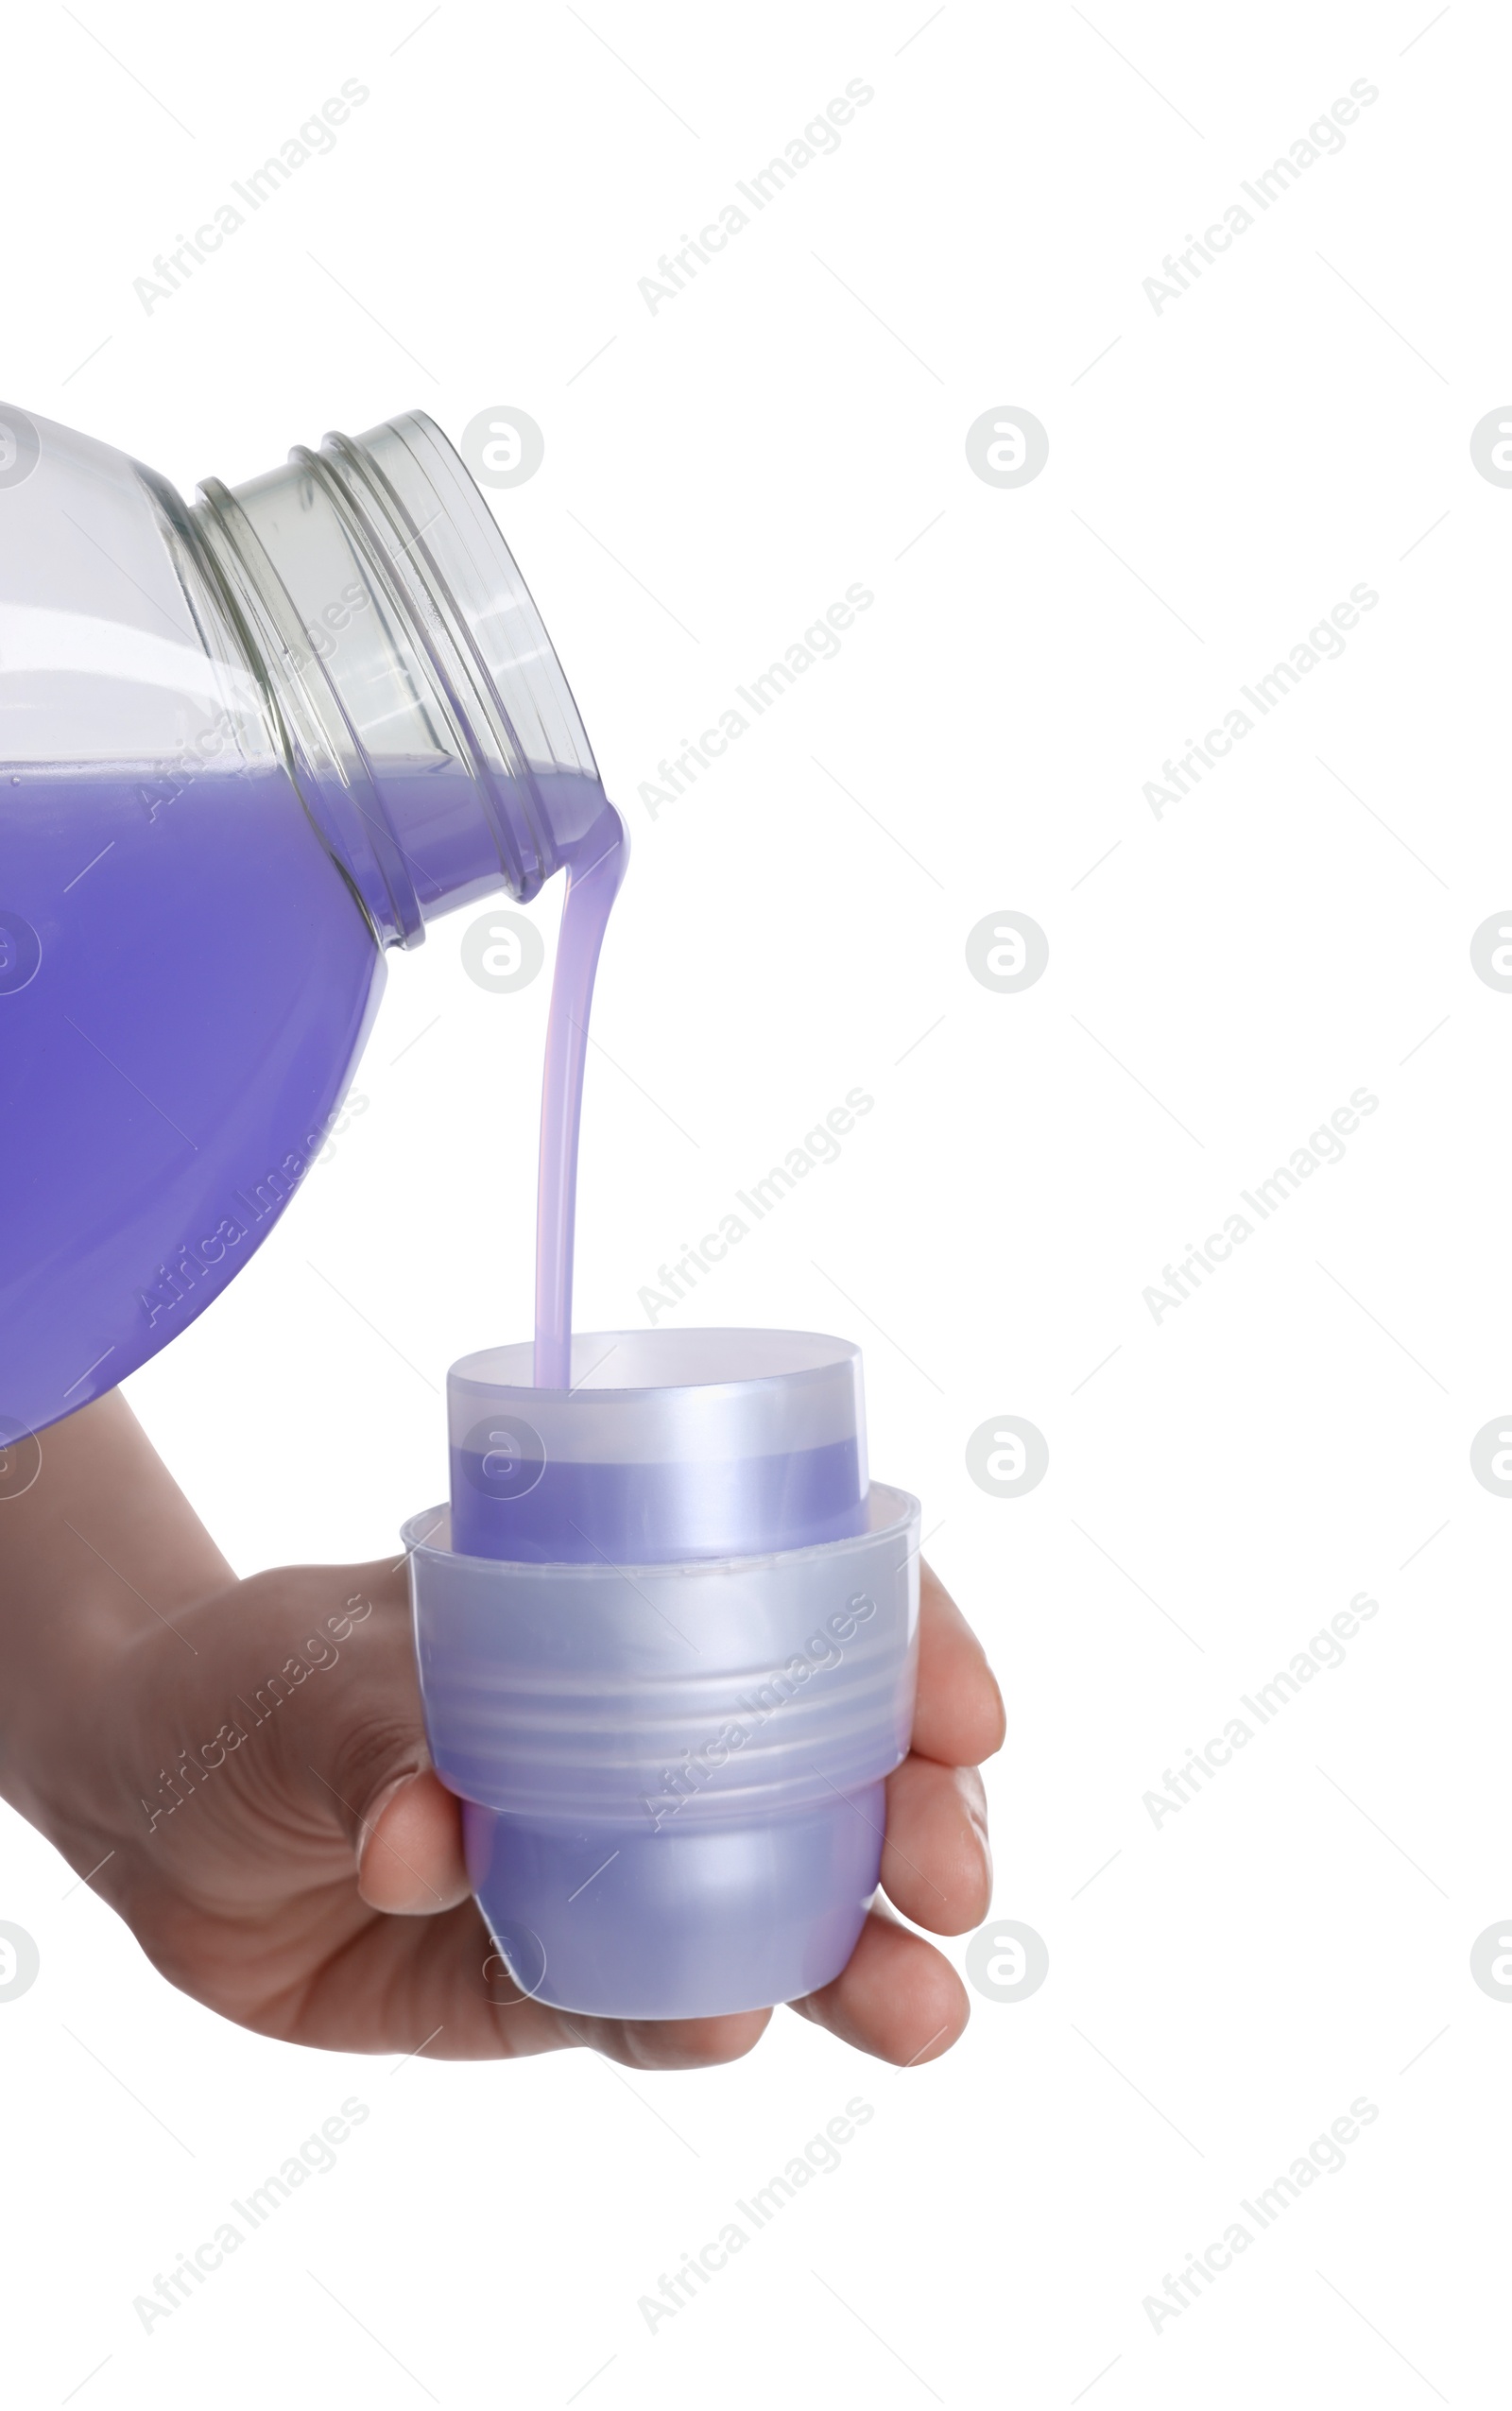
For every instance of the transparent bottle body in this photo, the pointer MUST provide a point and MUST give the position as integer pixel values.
(246, 747)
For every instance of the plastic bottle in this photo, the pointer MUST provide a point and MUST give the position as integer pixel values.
(246, 746)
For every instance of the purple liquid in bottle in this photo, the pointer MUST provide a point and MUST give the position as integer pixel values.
(186, 982)
(249, 743)
(184, 989)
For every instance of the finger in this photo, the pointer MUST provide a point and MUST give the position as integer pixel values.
(669, 2044)
(898, 1998)
(437, 1988)
(936, 1863)
(342, 1736)
(411, 1862)
(959, 1712)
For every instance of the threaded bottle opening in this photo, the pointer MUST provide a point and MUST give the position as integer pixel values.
(424, 713)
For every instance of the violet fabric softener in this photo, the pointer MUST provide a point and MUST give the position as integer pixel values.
(246, 746)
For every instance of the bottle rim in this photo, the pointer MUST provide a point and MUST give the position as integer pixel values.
(470, 642)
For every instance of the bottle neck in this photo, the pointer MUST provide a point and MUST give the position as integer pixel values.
(422, 711)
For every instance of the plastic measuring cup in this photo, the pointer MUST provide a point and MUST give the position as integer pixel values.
(670, 1710)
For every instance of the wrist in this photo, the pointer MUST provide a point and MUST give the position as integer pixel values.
(99, 1552)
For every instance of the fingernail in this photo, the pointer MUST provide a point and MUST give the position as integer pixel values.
(370, 1822)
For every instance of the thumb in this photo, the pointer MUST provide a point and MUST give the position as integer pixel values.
(364, 1751)
(409, 1857)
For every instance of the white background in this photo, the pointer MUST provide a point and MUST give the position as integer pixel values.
(1221, 1484)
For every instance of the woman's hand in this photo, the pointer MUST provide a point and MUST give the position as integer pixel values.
(306, 1879)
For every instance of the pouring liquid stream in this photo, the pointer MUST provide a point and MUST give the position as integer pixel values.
(594, 871)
